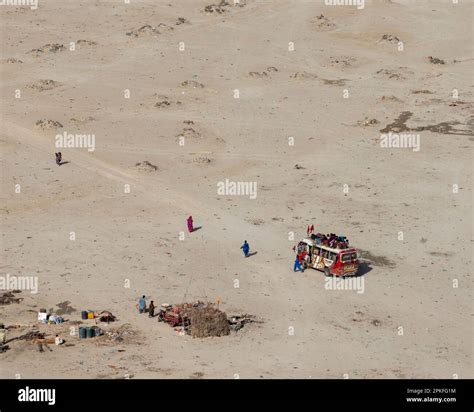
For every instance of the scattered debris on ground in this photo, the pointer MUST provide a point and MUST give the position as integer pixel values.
(9, 297)
(31, 335)
(237, 322)
(322, 22)
(122, 334)
(106, 316)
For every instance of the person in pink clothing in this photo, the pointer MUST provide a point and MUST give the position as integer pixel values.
(190, 224)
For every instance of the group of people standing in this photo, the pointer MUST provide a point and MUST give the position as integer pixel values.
(143, 309)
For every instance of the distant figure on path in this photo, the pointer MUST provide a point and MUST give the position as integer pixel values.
(59, 158)
(190, 224)
(151, 310)
(245, 248)
(142, 304)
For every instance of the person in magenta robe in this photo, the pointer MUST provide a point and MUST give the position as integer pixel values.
(190, 224)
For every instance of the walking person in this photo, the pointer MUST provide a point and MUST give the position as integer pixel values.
(190, 224)
(59, 158)
(299, 262)
(245, 248)
(297, 266)
(142, 304)
(151, 310)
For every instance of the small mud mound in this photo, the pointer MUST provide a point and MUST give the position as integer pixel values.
(255, 222)
(390, 98)
(342, 61)
(435, 60)
(146, 30)
(390, 38)
(145, 167)
(85, 43)
(367, 122)
(323, 23)
(390, 74)
(42, 85)
(189, 133)
(162, 101)
(192, 84)
(216, 8)
(336, 82)
(203, 160)
(303, 76)
(181, 20)
(258, 74)
(12, 60)
(265, 73)
(422, 92)
(47, 124)
(81, 120)
(48, 48)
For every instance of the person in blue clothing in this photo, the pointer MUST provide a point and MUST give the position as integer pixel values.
(142, 304)
(245, 248)
(297, 266)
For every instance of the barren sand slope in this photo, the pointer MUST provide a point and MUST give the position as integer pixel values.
(302, 70)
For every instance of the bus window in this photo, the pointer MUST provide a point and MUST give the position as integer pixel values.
(347, 257)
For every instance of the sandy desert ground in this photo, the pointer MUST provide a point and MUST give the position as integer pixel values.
(332, 78)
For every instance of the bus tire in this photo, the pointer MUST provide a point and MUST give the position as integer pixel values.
(327, 272)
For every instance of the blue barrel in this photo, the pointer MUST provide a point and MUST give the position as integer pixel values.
(82, 332)
(96, 331)
(90, 332)
(84, 314)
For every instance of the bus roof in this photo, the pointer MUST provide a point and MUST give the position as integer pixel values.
(311, 242)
